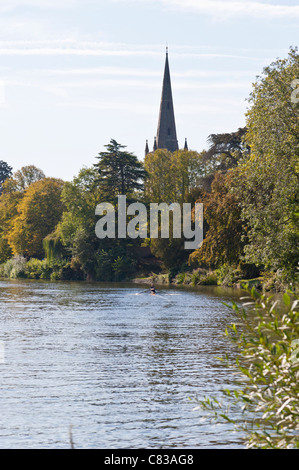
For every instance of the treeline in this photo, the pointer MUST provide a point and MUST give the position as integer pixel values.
(247, 181)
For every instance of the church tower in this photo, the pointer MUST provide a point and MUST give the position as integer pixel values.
(166, 133)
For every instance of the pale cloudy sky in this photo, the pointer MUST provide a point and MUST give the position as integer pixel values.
(76, 73)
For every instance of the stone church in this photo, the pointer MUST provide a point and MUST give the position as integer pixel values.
(166, 133)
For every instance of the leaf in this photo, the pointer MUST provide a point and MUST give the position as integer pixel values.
(286, 299)
(227, 418)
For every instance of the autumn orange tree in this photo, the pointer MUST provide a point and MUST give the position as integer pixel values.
(38, 213)
(13, 190)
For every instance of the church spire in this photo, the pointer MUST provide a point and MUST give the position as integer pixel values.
(146, 148)
(166, 133)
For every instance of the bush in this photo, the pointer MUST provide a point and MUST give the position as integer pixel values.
(268, 362)
(209, 279)
(14, 268)
(180, 278)
(37, 269)
(195, 278)
(227, 275)
(19, 267)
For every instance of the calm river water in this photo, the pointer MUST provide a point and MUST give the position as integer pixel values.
(112, 361)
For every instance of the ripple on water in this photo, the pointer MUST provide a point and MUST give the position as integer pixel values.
(117, 366)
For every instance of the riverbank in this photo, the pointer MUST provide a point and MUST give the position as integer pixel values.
(266, 282)
(68, 270)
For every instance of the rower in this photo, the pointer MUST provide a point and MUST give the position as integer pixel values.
(153, 290)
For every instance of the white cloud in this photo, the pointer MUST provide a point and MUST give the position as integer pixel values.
(236, 8)
(228, 8)
(215, 8)
(84, 48)
(72, 47)
(8, 5)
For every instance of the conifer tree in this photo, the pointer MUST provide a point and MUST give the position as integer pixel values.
(120, 172)
(5, 172)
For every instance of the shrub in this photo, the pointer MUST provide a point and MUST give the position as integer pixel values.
(195, 278)
(227, 275)
(37, 269)
(268, 362)
(180, 278)
(209, 279)
(13, 268)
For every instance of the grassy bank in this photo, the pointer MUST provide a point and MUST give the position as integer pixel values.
(226, 276)
(19, 267)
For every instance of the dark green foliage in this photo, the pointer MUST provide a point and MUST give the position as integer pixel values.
(226, 151)
(5, 172)
(114, 264)
(268, 183)
(53, 247)
(120, 172)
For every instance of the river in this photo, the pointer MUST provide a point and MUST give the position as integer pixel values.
(115, 363)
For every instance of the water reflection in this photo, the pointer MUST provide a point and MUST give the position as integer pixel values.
(115, 362)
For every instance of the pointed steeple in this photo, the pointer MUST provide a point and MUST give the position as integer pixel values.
(146, 148)
(186, 145)
(166, 133)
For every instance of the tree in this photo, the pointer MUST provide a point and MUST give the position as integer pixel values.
(172, 176)
(5, 172)
(226, 151)
(159, 182)
(120, 172)
(99, 259)
(13, 190)
(269, 180)
(9, 201)
(76, 229)
(80, 197)
(38, 213)
(224, 238)
(26, 176)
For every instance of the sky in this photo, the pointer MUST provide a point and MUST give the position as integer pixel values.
(75, 74)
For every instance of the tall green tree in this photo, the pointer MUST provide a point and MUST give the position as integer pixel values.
(226, 151)
(5, 172)
(172, 177)
(26, 176)
(120, 172)
(76, 229)
(103, 260)
(269, 181)
(159, 182)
